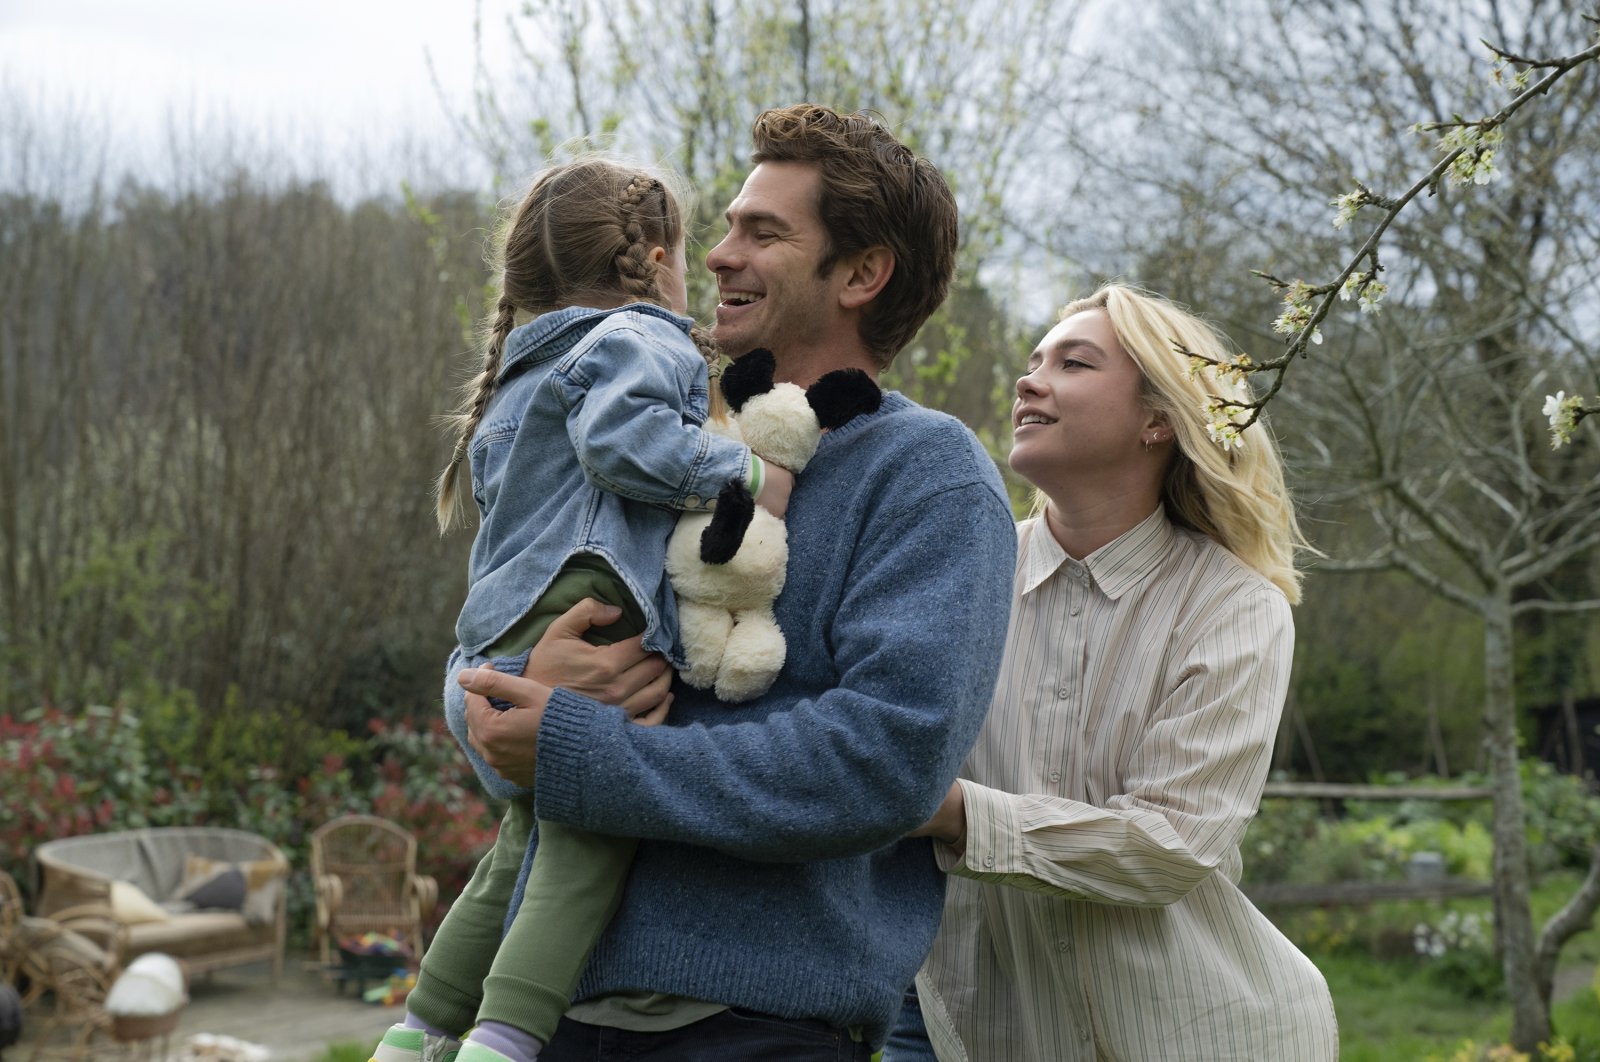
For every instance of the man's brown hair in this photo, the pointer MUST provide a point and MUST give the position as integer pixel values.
(875, 192)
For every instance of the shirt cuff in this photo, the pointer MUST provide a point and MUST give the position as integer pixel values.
(989, 823)
(758, 474)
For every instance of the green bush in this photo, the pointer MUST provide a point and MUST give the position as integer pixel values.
(1293, 841)
(111, 768)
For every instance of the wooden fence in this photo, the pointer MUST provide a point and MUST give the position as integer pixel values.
(1281, 894)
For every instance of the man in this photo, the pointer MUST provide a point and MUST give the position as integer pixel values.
(774, 909)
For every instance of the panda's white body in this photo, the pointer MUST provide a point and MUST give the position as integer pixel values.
(730, 638)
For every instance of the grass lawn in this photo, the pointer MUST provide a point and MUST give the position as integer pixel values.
(1389, 1009)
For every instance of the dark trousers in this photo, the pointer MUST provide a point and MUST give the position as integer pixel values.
(908, 1040)
(732, 1035)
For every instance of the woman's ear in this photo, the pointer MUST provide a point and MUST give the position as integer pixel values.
(658, 255)
(1158, 429)
(869, 271)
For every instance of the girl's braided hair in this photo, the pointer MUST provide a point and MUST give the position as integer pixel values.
(581, 236)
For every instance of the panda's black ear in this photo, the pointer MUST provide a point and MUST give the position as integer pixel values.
(842, 395)
(747, 377)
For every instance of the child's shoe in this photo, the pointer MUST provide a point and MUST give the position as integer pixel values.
(402, 1044)
(476, 1052)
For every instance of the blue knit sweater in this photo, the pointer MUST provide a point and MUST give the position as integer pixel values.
(772, 873)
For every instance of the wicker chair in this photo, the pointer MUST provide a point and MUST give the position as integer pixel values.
(365, 872)
(74, 955)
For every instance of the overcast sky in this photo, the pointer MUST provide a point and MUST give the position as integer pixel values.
(323, 69)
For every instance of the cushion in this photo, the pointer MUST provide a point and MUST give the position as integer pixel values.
(201, 934)
(132, 907)
(219, 887)
(261, 883)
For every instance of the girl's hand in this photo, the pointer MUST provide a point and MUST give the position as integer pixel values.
(776, 483)
(623, 674)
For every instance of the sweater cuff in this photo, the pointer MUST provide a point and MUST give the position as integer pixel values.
(563, 739)
(757, 476)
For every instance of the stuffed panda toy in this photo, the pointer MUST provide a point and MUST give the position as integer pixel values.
(727, 566)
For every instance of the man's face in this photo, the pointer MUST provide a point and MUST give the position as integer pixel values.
(771, 293)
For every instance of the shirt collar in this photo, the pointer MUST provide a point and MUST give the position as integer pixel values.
(1116, 567)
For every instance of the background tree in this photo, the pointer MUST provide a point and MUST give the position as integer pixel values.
(215, 404)
(1418, 430)
(965, 85)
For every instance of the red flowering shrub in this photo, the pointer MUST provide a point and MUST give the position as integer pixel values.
(101, 770)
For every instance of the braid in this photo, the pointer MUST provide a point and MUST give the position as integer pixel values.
(717, 409)
(475, 399)
(635, 271)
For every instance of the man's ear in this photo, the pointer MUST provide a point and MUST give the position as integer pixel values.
(869, 271)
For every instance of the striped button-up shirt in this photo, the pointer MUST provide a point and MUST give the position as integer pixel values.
(1094, 912)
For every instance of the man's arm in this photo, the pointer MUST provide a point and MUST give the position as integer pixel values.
(623, 674)
(916, 640)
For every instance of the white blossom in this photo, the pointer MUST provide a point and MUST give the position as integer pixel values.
(1562, 412)
(1225, 434)
(1346, 206)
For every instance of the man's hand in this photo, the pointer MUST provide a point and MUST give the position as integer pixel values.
(508, 741)
(623, 674)
(949, 823)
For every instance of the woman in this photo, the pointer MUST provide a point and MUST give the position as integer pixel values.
(1093, 838)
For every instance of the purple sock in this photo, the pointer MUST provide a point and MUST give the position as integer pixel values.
(507, 1039)
(414, 1022)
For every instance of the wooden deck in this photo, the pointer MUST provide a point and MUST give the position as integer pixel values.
(296, 1020)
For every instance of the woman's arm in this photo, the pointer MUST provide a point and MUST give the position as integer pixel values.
(1193, 782)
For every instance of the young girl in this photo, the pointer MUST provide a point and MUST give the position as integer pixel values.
(581, 432)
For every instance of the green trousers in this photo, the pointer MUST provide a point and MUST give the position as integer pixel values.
(526, 979)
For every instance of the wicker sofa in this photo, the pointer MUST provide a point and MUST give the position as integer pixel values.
(162, 864)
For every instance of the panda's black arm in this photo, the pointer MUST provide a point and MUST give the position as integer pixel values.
(725, 533)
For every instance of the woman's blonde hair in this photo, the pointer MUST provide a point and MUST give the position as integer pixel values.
(584, 231)
(1236, 496)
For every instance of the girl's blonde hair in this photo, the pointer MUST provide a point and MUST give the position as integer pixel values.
(1237, 497)
(584, 231)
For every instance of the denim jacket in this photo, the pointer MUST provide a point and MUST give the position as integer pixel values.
(590, 444)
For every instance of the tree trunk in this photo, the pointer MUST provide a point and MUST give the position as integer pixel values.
(1575, 916)
(1530, 1012)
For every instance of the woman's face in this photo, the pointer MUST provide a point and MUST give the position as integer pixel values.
(1078, 411)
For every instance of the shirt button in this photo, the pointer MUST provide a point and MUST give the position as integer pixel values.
(988, 861)
(1074, 611)
(1063, 693)
(1062, 945)
(1083, 1034)
(1055, 776)
(692, 501)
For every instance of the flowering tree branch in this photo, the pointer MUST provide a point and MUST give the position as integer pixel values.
(1469, 151)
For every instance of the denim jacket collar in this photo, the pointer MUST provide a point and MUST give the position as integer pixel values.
(551, 335)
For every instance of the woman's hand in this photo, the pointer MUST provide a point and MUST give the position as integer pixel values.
(949, 823)
(623, 673)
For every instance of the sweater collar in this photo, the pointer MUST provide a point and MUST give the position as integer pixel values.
(1115, 567)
